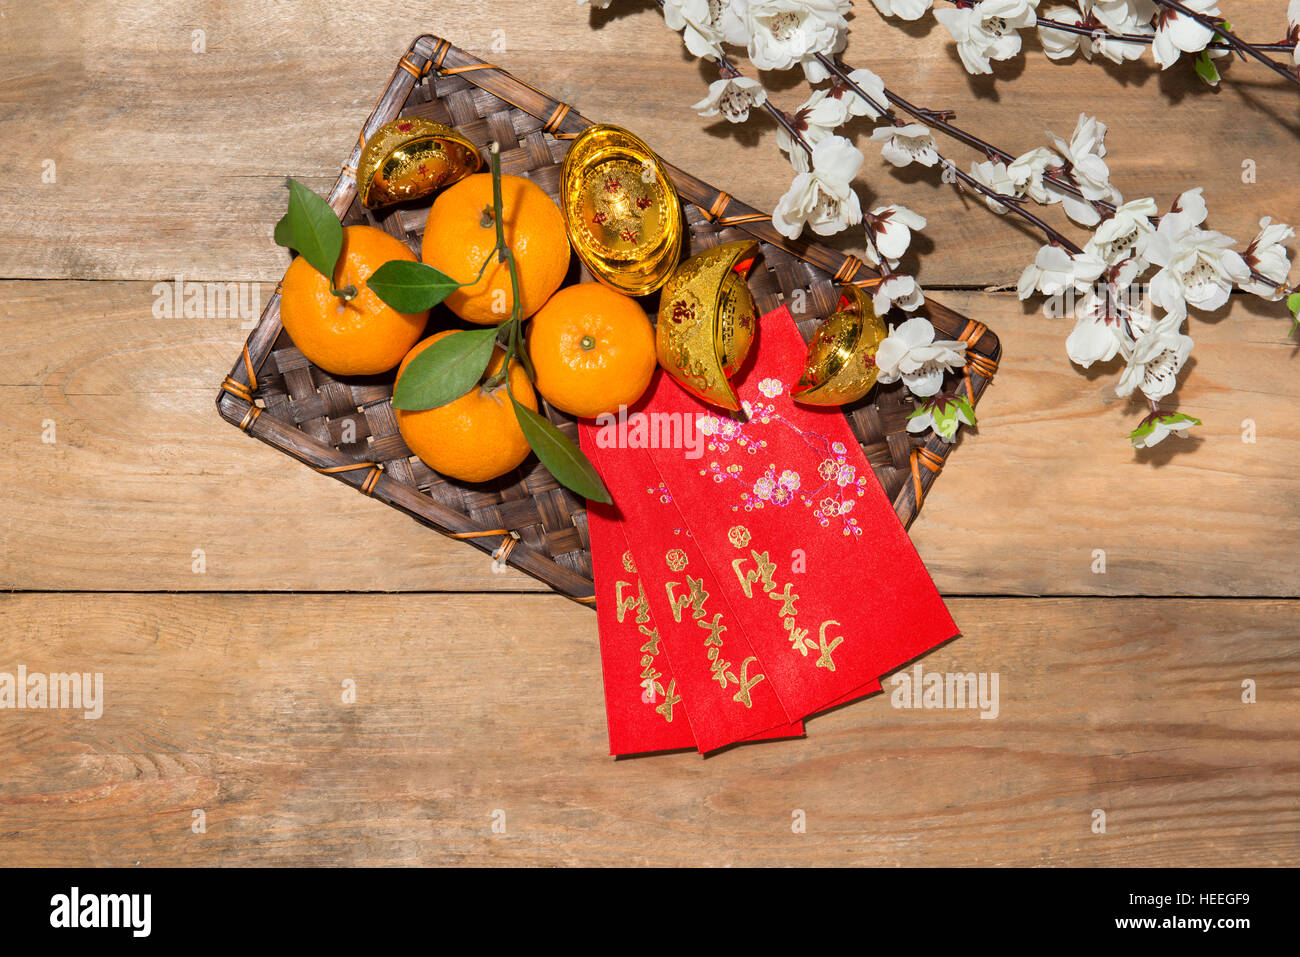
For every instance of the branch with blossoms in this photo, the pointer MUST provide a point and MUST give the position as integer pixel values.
(988, 31)
(1099, 274)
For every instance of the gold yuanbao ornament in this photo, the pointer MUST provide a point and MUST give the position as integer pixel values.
(841, 366)
(707, 321)
(411, 157)
(622, 213)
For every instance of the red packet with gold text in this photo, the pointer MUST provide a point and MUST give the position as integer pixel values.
(642, 704)
(632, 650)
(722, 682)
(798, 531)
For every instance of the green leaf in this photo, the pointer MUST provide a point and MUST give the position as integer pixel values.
(282, 235)
(411, 287)
(1206, 69)
(1141, 432)
(1293, 303)
(561, 457)
(965, 408)
(445, 370)
(312, 228)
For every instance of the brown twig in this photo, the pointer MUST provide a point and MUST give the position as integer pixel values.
(1090, 26)
(1238, 45)
(941, 120)
(1011, 203)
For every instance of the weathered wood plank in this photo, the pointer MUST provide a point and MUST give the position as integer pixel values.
(466, 706)
(173, 161)
(143, 471)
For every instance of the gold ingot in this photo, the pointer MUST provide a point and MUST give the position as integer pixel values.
(707, 321)
(841, 366)
(409, 158)
(621, 210)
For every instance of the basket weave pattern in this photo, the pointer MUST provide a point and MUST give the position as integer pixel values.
(346, 427)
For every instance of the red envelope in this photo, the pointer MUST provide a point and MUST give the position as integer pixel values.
(722, 681)
(643, 705)
(786, 510)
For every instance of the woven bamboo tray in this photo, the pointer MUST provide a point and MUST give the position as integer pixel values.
(526, 518)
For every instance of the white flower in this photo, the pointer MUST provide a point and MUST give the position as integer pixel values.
(1177, 33)
(1197, 266)
(771, 387)
(1026, 174)
(1062, 44)
(1121, 16)
(910, 143)
(908, 9)
(1054, 270)
(994, 175)
(1124, 235)
(1267, 256)
(943, 414)
(1087, 169)
(704, 24)
(785, 32)
(1096, 336)
(1156, 357)
(901, 291)
(889, 232)
(1156, 428)
(732, 97)
(910, 353)
(870, 84)
(822, 197)
(819, 115)
(989, 30)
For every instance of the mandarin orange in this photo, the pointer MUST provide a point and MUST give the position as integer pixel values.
(460, 235)
(359, 336)
(593, 349)
(473, 438)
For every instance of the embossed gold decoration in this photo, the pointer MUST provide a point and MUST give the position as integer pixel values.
(621, 210)
(707, 321)
(677, 559)
(738, 536)
(841, 366)
(412, 157)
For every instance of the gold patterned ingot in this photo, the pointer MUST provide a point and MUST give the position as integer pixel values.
(707, 321)
(621, 210)
(841, 366)
(411, 157)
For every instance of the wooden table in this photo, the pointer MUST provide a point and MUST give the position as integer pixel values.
(148, 540)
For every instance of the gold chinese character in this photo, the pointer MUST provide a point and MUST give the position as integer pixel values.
(786, 599)
(796, 636)
(652, 645)
(715, 629)
(623, 605)
(721, 669)
(671, 697)
(696, 598)
(763, 572)
(746, 682)
(825, 660)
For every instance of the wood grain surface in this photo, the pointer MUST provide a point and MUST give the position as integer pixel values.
(1121, 691)
(471, 704)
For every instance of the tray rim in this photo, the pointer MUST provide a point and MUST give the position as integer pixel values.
(236, 399)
